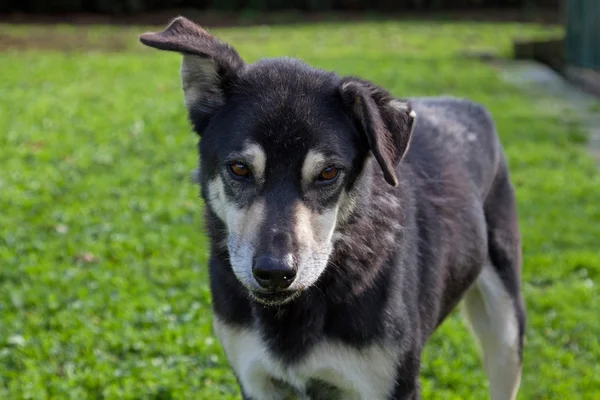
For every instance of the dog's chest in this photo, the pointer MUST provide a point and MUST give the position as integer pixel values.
(329, 370)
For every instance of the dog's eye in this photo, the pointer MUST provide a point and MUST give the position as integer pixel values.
(239, 170)
(328, 175)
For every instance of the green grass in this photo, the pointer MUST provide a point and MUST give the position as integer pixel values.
(103, 286)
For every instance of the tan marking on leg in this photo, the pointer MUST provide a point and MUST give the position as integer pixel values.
(492, 320)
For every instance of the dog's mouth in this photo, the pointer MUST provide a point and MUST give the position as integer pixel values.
(275, 298)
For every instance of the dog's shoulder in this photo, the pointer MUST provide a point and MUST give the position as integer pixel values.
(457, 122)
(457, 109)
(457, 136)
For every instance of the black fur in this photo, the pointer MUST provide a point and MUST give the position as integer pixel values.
(408, 251)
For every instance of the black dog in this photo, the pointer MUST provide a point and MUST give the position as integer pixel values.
(345, 225)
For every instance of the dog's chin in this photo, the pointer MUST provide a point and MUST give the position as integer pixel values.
(274, 299)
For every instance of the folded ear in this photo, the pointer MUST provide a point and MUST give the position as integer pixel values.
(208, 66)
(385, 121)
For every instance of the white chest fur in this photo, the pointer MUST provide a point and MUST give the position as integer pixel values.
(365, 374)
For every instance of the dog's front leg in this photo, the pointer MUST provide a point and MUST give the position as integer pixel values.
(406, 391)
(407, 378)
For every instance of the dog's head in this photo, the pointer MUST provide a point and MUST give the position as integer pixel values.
(283, 153)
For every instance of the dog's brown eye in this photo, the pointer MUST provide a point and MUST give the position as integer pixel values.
(239, 170)
(328, 174)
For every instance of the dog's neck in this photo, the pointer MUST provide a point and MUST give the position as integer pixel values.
(365, 243)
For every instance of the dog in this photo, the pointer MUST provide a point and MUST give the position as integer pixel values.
(345, 224)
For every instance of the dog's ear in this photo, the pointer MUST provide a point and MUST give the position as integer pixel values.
(208, 66)
(385, 121)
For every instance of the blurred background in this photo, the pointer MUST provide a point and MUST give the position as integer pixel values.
(136, 6)
(103, 284)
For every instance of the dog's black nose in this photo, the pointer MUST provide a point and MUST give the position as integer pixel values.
(273, 274)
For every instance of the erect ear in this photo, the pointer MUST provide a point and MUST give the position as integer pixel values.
(208, 66)
(385, 121)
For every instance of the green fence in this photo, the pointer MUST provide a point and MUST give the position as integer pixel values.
(583, 33)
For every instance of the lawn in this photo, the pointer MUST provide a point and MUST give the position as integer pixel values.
(103, 284)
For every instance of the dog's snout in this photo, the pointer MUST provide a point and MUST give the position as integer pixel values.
(272, 273)
(281, 240)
